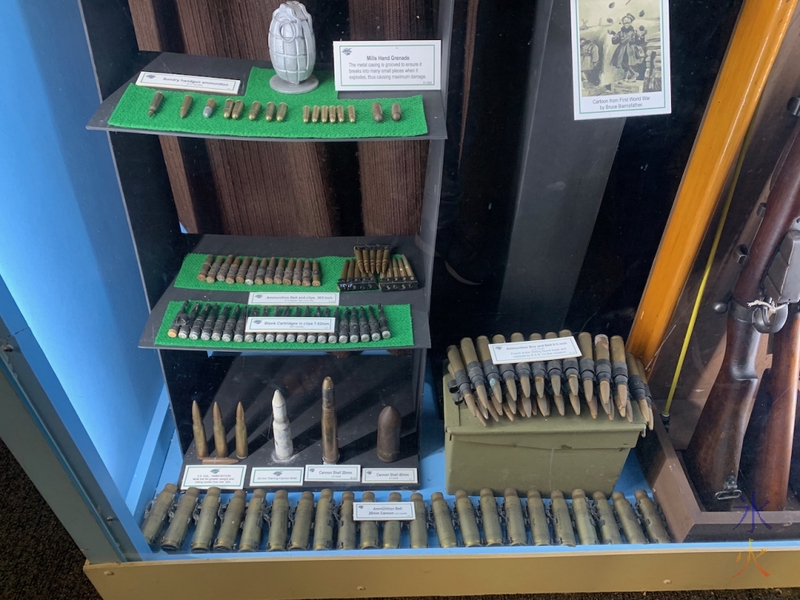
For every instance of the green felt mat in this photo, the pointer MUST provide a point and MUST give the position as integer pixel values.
(131, 112)
(330, 268)
(398, 315)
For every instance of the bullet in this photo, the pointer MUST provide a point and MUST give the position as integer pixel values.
(333, 337)
(323, 521)
(315, 114)
(241, 433)
(377, 112)
(628, 410)
(220, 461)
(515, 522)
(301, 528)
(201, 276)
(508, 373)
(383, 323)
(233, 270)
(284, 448)
(602, 365)
(346, 535)
(324, 114)
(368, 530)
(636, 384)
(540, 531)
(231, 521)
(199, 322)
(255, 108)
(158, 513)
(385, 259)
(330, 433)
(214, 270)
(223, 270)
(652, 519)
(467, 522)
(464, 387)
(179, 321)
(306, 114)
(619, 370)
(287, 274)
(401, 267)
(297, 273)
(230, 324)
(208, 324)
(220, 443)
(316, 274)
(261, 336)
(188, 321)
(344, 324)
(475, 373)
(389, 424)
(155, 104)
(200, 445)
(186, 105)
(238, 108)
(332, 113)
(278, 522)
(571, 371)
(374, 328)
(562, 524)
(253, 523)
(311, 338)
(359, 252)
(539, 370)
(306, 274)
(279, 272)
(363, 325)
(354, 336)
(269, 111)
(609, 531)
(554, 371)
(490, 518)
(418, 528)
(238, 331)
(586, 365)
(523, 370)
(206, 522)
(648, 395)
(397, 112)
(351, 270)
(627, 519)
(584, 523)
(340, 113)
(391, 529)
(351, 113)
(491, 371)
(211, 104)
(443, 521)
(282, 109)
(227, 108)
(249, 276)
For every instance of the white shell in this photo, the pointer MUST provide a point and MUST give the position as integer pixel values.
(281, 429)
(292, 48)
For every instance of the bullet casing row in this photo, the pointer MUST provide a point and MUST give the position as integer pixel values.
(254, 270)
(328, 114)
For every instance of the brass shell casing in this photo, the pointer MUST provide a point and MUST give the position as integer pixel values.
(199, 431)
(250, 274)
(332, 113)
(155, 103)
(269, 111)
(282, 110)
(515, 522)
(227, 108)
(215, 267)
(346, 538)
(652, 520)
(627, 519)
(176, 532)
(238, 108)
(391, 529)
(315, 114)
(562, 523)
(241, 432)
(158, 513)
(287, 274)
(231, 521)
(397, 112)
(443, 521)
(323, 114)
(323, 521)
(609, 531)
(368, 530)
(418, 528)
(330, 429)
(492, 530)
(306, 273)
(220, 441)
(223, 270)
(377, 112)
(316, 274)
(467, 522)
(278, 522)
(203, 273)
(206, 522)
(255, 108)
(306, 114)
(253, 523)
(584, 523)
(301, 528)
(351, 113)
(340, 113)
(540, 532)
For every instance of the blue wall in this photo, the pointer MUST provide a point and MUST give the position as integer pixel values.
(66, 253)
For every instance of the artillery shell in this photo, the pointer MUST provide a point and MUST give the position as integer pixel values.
(249, 276)
(253, 523)
(609, 531)
(306, 114)
(368, 530)
(330, 430)
(206, 522)
(282, 109)
(223, 270)
(652, 520)
(158, 513)
(389, 423)
(391, 529)
(515, 522)
(346, 535)
(315, 114)
(351, 113)
(467, 522)
(397, 112)
(278, 522)
(323, 521)
(241, 433)
(418, 528)
(231, 521)
(199, 323)
(301, 527)
(279, 271)
(155, 103)
(200, 445)
(540, 531)
(332, 113)
(490, 518)
(627, 519)
(562, 523)
(230, 324)
(176, 532)
(214, 270)
(269, 111)
(377, 112)
(227, 109)
(238, 108)
(208, 111)
(269, 274)
(584, 523)
(340, 113)
(255, 108)
(324, 114)
(220, 442)
(284, 448)
(201, 276)
(186, 105)
(443, 521)
(180, 320)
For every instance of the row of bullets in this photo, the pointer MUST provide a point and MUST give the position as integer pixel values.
(254, 270)
(328, 114)
(375, 268)
(581, 522)
(232, 109)
(228, 322)
(603, 363)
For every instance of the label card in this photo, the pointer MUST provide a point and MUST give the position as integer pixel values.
(267, 477)
(192, 83)
(333, 473)
(388, 476)
(391, 65)
(537, 350)
(206, 476)
(383, 511)
(298, 299)
(289, 325)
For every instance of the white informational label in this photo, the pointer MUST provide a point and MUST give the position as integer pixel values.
(384, 66)
(383, 511)
(265, 477)
(333, 473)
(387, 475)
(192, 83)
(537, 350)
(226, 477)
(290, 299)
(289, 325)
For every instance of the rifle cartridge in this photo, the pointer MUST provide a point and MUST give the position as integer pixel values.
(363, 325)
(315, 114)
(584, 523)
(206, 522)
(359, 254)
(211, 277)
(269, 111)
(323, 118)
(540, 531)
(351, 113)
(602, 365)
(619, 371)
(219, 324)
(261, 271)
(491, 371)
(269, 272)
(188, 321)
(373, 259)
(284, 448)
(492, 530)
(562, 523)
(301, 525)
(227, 108)
(323, 521)
(253, 523)
(368, 530)
(554, 370)
(461, 380)
(278, 522)
(475, 374)
(277, 279)
(389, 425)
(306, 113)
(467, 522)
(609, 530)
(305, 278)
(208, 325)
(243, 267)
(443, 521)
(418, 528)
(522, 369)
(383, 323)
(291, 336)
(203, 273)
(346, 535)
(354, 335)
(636, 385)
(586, 364)
(283, 108)
(374, 328)
(648, 395)
(330, 430)
(570, 374)
(230, 324)
(627, 519)
(316, 274)
(199, 322)
(220, 461)
(261, 336)
(240, 431)
(255, 108)
(340, 113)
(391, 529)
(158, 513)
(155, 103)
(652, 519)
(297, 274)
(377, 112)
(344, 325)
(179, 321)
(222, 273)
(250, 274)
(199, 431)
(397, 112)
(230, 277)
(508, 373)
(539, 370)
(515, 521)
(287, 273)
(211, 104)
(241, 323)
(220, 440)
(231, 522)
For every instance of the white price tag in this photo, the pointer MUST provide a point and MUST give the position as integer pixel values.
(292, 299)
(388, 476)
(192, 83)
(284, 325)
(333, 473)
(266, 477)
(383, 511)
(391, 65)
(535, 351)
(206, 476)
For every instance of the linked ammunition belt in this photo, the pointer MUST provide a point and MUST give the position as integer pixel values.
(255, 270)
(375, 267)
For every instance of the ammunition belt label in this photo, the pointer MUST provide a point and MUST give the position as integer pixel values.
(383, 511)
(534, 351)
(292, 299)
(192, 83)
(284, 325)
(333, 473)
(206, 476)
(266, 477)
(388, 476)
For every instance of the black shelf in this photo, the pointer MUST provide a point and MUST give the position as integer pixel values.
(307, 247)
(231, 68)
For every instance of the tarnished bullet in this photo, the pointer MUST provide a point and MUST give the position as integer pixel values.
(374, 328)
(383, 323)
(627, 519)
(554, 371)
(279, 272)
(253, 523)
(231, 521)
(333, 337)
(200, 445)
(238, 331)
(354, 336)
(539, 370)
(570, 366)
(301, 526)
(523, 370)
(261, 336)
(214, 270)
(515, 522)
(306, 273)
(490, 518)
(652, 519)
(323, 521)
(284, 447)
(648, 394)
(474, 371)
(346, 535)
(363, 325)
(311, 337)
(220, 443)
(179, 321)
(344, 326)
(330, 429)
(397, 112)
(287, 274)
(636, 384)
(230, 324)
(391, 529)
(306, 114)
(188, 321)
(562, 523)
(619, 371)
(351, 270)
(377, 112)
(269, 111)
(260, 272)
(368, 530)
(609, 531)
(463, 383)
(208, 325)
(206, 522)
(255, 108)
(467, 522)
(602, 365)
(584, 523)
(199, 322)
(238, 108)
(418, 528)
(269, 273)
(443, 521)
(323, 114)
(540, 531)
(186, 105)
(158, 513)
(201, 276)
(282, 110)
(227, 108)
(389, 425)
(241, 433)
(508, 374)
(316, 274)
(208, 111)
(351, 113)
(291, 336)
(155, 104)
(223, 270)
(278, 522)
(491, 371)
(315, 114)
(250, 274)
(586, 365)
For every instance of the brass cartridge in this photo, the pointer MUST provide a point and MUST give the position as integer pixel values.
(206, 522)
(562, 522)
(490, 518)
(609, 530)
(330, 429)
(261, 336)
(443, 521)
(648, 395)
(554, 371)
(619, 371)
(333, 338)
(220, 461)
(269, 271)
(306, 273)
(389, 423)
(255, 108)
(346, 535)
(250, 274)
(186, 105)
(230, 324)
(242, 271)
(462, 381)
(279, 272)
(269, 111)
(344, 326)
(323, 521)
(397, 112)
(354, 337)
(570, 365)
(391, 529)
(351, 113)
(475, 373)
(586, 365)
(627, 519)
(418, 528)
(351, 270)
(208, 111)
(323, 114)
(306, 114)
(180, 320)
(214, 270)
(208, 325)
(199, 323)
(158, 513)
(227, 108)
(368, 530)
(343, 274)
(377, 112)
(584, 523)
(515, 522)
(201, 276)
(523, 370)
(253, 523)
(407, 268)
(373, 258)
(539, 370)
(284, 447)
(507, 373)
(332, 113)
(282, 110)
(491, 371)
(220, 442)
(636, 385)
(652, 520)
(291, 336)
(602, 365)
(315, 114)
(241, 322)
(278, 522)
(301, 525)
(200, 445)
(467, 522)
(240, 432)
(316, 274)
(340, 113)
(155, 103)
(540, 531)
(238, 108)
(223, 270)
(231, 521)
(219, 324)
(287, 274)
(359, 252)
(401, 268)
